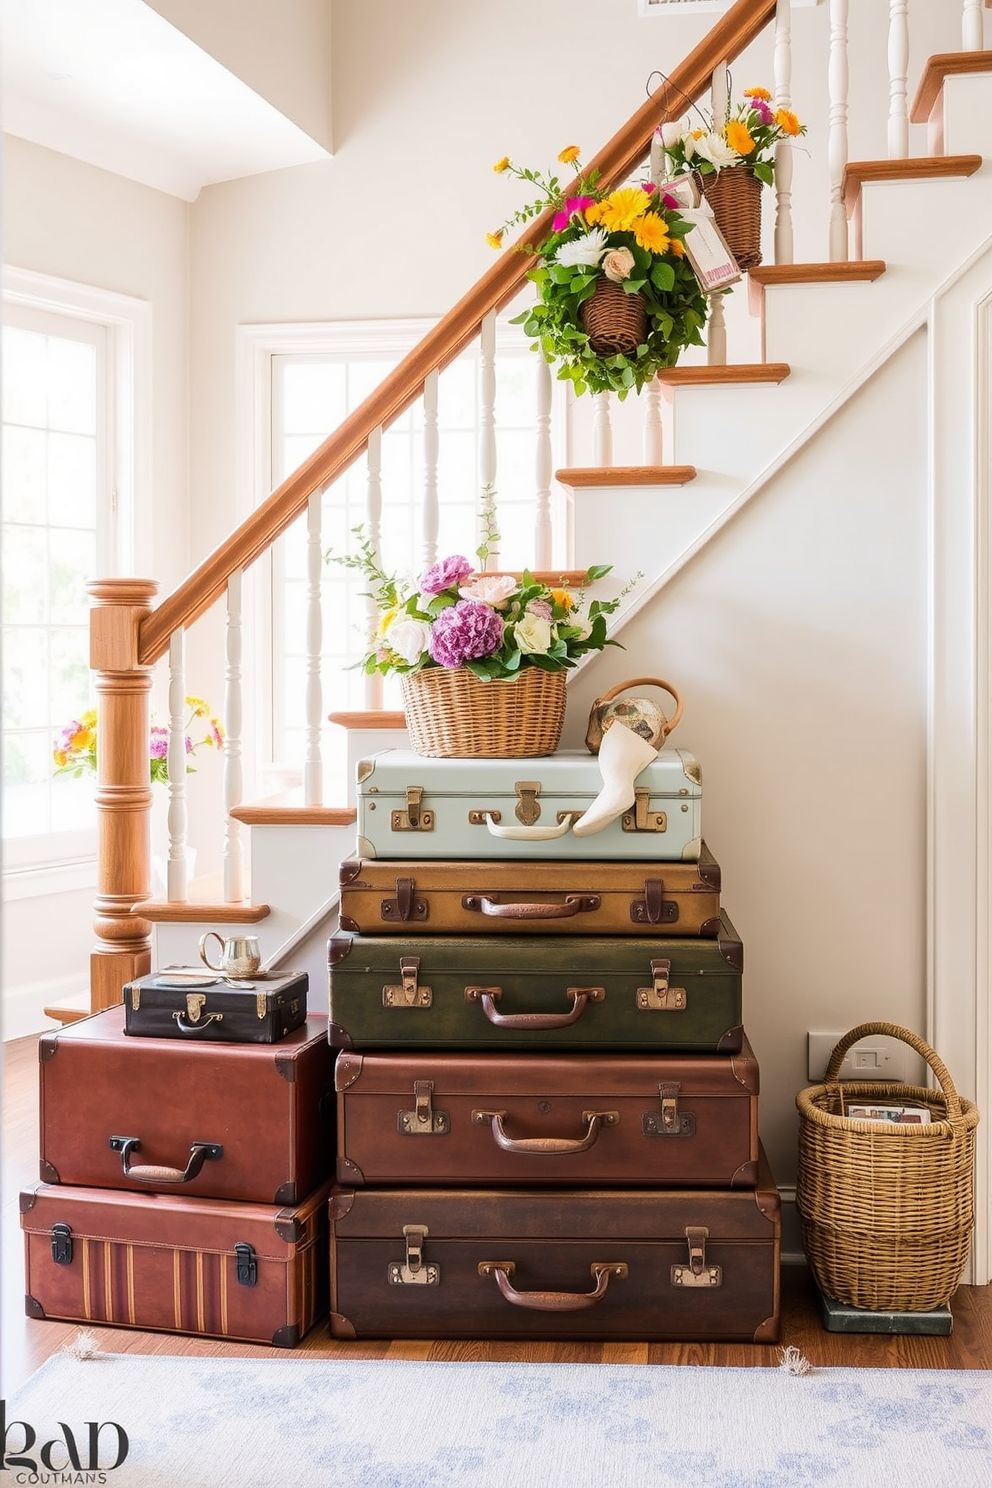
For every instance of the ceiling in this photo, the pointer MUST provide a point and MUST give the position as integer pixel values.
(112, 83)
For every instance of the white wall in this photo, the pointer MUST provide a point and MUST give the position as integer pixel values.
(75, 222)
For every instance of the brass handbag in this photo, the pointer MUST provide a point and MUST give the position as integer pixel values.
(640, 714)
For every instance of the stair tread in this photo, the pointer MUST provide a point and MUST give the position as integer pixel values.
(372, 718)
(819, 273)
(626, 475)
(731, 373)
(206, 902)
(921, 168)
(936, 69)
(287, 807)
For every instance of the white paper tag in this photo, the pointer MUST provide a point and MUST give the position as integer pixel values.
(705, 247)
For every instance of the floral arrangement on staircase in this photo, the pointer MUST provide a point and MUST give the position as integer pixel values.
(617, 299)
(74, 752)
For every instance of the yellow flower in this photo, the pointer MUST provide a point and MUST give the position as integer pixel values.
(495, 240)
(651, 232)
(562, 598)
(677, 247)
(82, 739)
(593, 213)
(758, 93)
(386, 619)
(570, 153)
(787, 121)
(502, 165)
(621, 209)
(200, 708)
(60, 757)
(88, 719)
(739, 137)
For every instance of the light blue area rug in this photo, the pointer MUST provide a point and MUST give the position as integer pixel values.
(244, 1423)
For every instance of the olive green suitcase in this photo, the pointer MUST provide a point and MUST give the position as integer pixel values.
(540, 992)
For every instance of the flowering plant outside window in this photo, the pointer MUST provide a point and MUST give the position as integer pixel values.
(75, 748)
(631, 238)
(748, 136)
(494, 625)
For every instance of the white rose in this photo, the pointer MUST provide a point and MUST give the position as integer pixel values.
(671, 133)
(587, 250)
(714, 148)
(532, 635)
(492, 590)
(408, 638)
(617, 264)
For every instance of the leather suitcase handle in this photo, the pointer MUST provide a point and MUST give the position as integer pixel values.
(488, 997)
(554, 1301)
(572, 904)
(199, 1153)
(547, 1146)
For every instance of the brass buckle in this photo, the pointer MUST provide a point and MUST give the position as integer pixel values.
(672, 1122)
(528, 807)
(660, 997)
(194, 1006)
(641, 819)
(414, 1271)
(409, 993)
(697, 1273)
(414, 818)
(423, 1120)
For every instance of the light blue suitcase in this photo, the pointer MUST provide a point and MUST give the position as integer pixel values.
(412, 806)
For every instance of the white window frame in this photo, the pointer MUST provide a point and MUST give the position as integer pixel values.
(126, 390)
(258, 345)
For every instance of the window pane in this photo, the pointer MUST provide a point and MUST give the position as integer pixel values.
(313, 397)
(25, 384)
(72, 404)
(71, 480)
(72, 561)
(25, 678)
(26, 772)
(25, 575)
(25, 465)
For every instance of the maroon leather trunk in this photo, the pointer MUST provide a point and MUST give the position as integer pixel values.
(676, 1264)
(684, 1120)
(252, 1122)
(182, 1265)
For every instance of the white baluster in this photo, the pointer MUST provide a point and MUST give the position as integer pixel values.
(716, 333)
(430, 517)
(653, 434)
(487, 415)
(837, 79)
(720, 95)
(176, 887)
(898, 53)
(234, 862)
(972, 28)
(543, 467)
(373, 525)
(602, 430)
(784, 249)
(313, 769)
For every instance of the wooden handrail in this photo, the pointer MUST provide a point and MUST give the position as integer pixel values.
(687, 83)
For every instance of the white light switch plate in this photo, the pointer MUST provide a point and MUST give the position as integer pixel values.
(878, 1057)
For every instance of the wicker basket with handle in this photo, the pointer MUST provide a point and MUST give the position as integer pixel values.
(735, 196)
(614, 320)
(451, 713)
(887, 1210)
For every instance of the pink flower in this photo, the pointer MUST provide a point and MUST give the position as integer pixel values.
(573, 204)
(670, 201)
(464, 632)
(158, 746)
(489, 589)
(445, 574)
(540, 607)
(648, 186)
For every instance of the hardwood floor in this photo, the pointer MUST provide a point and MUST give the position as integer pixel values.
(27, 1343)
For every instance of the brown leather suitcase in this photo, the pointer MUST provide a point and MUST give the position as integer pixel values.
(610, 1264)
(684, 1120)
(468, 897)
(253, 1122)
(180, 1265)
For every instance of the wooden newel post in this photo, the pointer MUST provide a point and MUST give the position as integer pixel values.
(123, 791)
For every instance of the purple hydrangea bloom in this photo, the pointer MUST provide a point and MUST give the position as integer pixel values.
(446, 574)
(464, 632)
(159, 742)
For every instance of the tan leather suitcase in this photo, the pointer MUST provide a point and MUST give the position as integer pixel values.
(609, 1264)
(179, 1265)
(231, 1121)
(493, 897)
(562, 1120)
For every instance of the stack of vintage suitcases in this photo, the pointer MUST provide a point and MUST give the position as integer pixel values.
(547, 1119)
(186, 1152)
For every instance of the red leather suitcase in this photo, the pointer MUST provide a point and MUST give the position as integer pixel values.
(180, 1265)
(564, 1120)
(253, 1122)
(610, 1264)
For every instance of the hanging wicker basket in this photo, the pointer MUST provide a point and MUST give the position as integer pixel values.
(451, 713)
(887, 1210)
(734, 193)
(614, 320)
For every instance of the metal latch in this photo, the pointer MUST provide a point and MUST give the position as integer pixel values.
(414, 818)
(261, 1004)
(414, 1271)
(245, 1264)
(528, 807)
(641, 819)
(61, 1245)
(660, 997)
(423, 1120)
(697, 1273)
(404, 907)
(654, 908)
(135, 996)
(672, 1122)
(194, 1006)
(409, 993)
